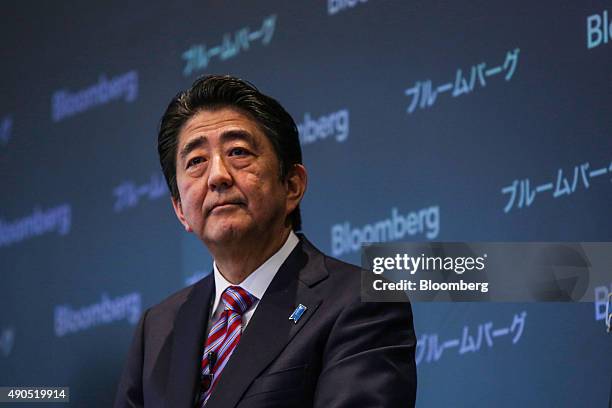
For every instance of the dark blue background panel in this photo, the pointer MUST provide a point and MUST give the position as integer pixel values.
(488, 121)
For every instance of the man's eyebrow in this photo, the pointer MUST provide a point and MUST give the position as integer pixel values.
(233, 135)
(192, 145)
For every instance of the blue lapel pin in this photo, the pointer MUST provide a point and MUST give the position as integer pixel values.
(297, 313)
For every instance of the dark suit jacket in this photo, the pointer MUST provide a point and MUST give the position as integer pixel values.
(341, 353)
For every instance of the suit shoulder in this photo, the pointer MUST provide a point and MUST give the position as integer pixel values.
(337, 266)
(343, 276)
(351, 278)
(171, 304)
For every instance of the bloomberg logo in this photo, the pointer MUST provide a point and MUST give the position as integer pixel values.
(346, 238)
(65, 104)
(68, 320)
(335, 6)
(56, 219)
(599, 29)
(335, 124)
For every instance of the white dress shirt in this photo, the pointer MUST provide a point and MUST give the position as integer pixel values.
(256, 283)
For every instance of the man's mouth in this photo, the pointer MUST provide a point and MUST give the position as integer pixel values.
(228, 205)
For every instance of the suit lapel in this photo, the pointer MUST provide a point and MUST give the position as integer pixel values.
(270, 329)
(188, 340)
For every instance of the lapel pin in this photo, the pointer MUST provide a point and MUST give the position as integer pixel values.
(297, 313)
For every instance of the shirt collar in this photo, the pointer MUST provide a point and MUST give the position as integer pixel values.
(258, 281)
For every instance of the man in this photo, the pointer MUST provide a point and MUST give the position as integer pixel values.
(277, 323)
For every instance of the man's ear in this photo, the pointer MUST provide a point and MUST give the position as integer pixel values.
(178, 210)
(296, 182)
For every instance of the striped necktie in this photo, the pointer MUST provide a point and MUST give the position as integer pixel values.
(223, 338)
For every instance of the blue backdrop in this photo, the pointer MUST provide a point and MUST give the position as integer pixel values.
(488, 121)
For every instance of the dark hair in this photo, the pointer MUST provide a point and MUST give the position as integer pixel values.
(214, 92)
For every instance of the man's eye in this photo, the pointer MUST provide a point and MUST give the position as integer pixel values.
(238, 151)
(194, 161)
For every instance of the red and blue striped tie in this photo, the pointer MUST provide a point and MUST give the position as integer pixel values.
(223, 338)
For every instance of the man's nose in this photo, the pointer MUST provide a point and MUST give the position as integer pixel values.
(219, 177)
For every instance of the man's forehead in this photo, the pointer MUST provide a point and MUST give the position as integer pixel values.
(207, 122)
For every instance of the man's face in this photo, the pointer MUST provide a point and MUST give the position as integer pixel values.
(228, 180)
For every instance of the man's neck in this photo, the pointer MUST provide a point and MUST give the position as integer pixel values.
(237, 263)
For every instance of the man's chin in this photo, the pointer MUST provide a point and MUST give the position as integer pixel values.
(225, 235)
